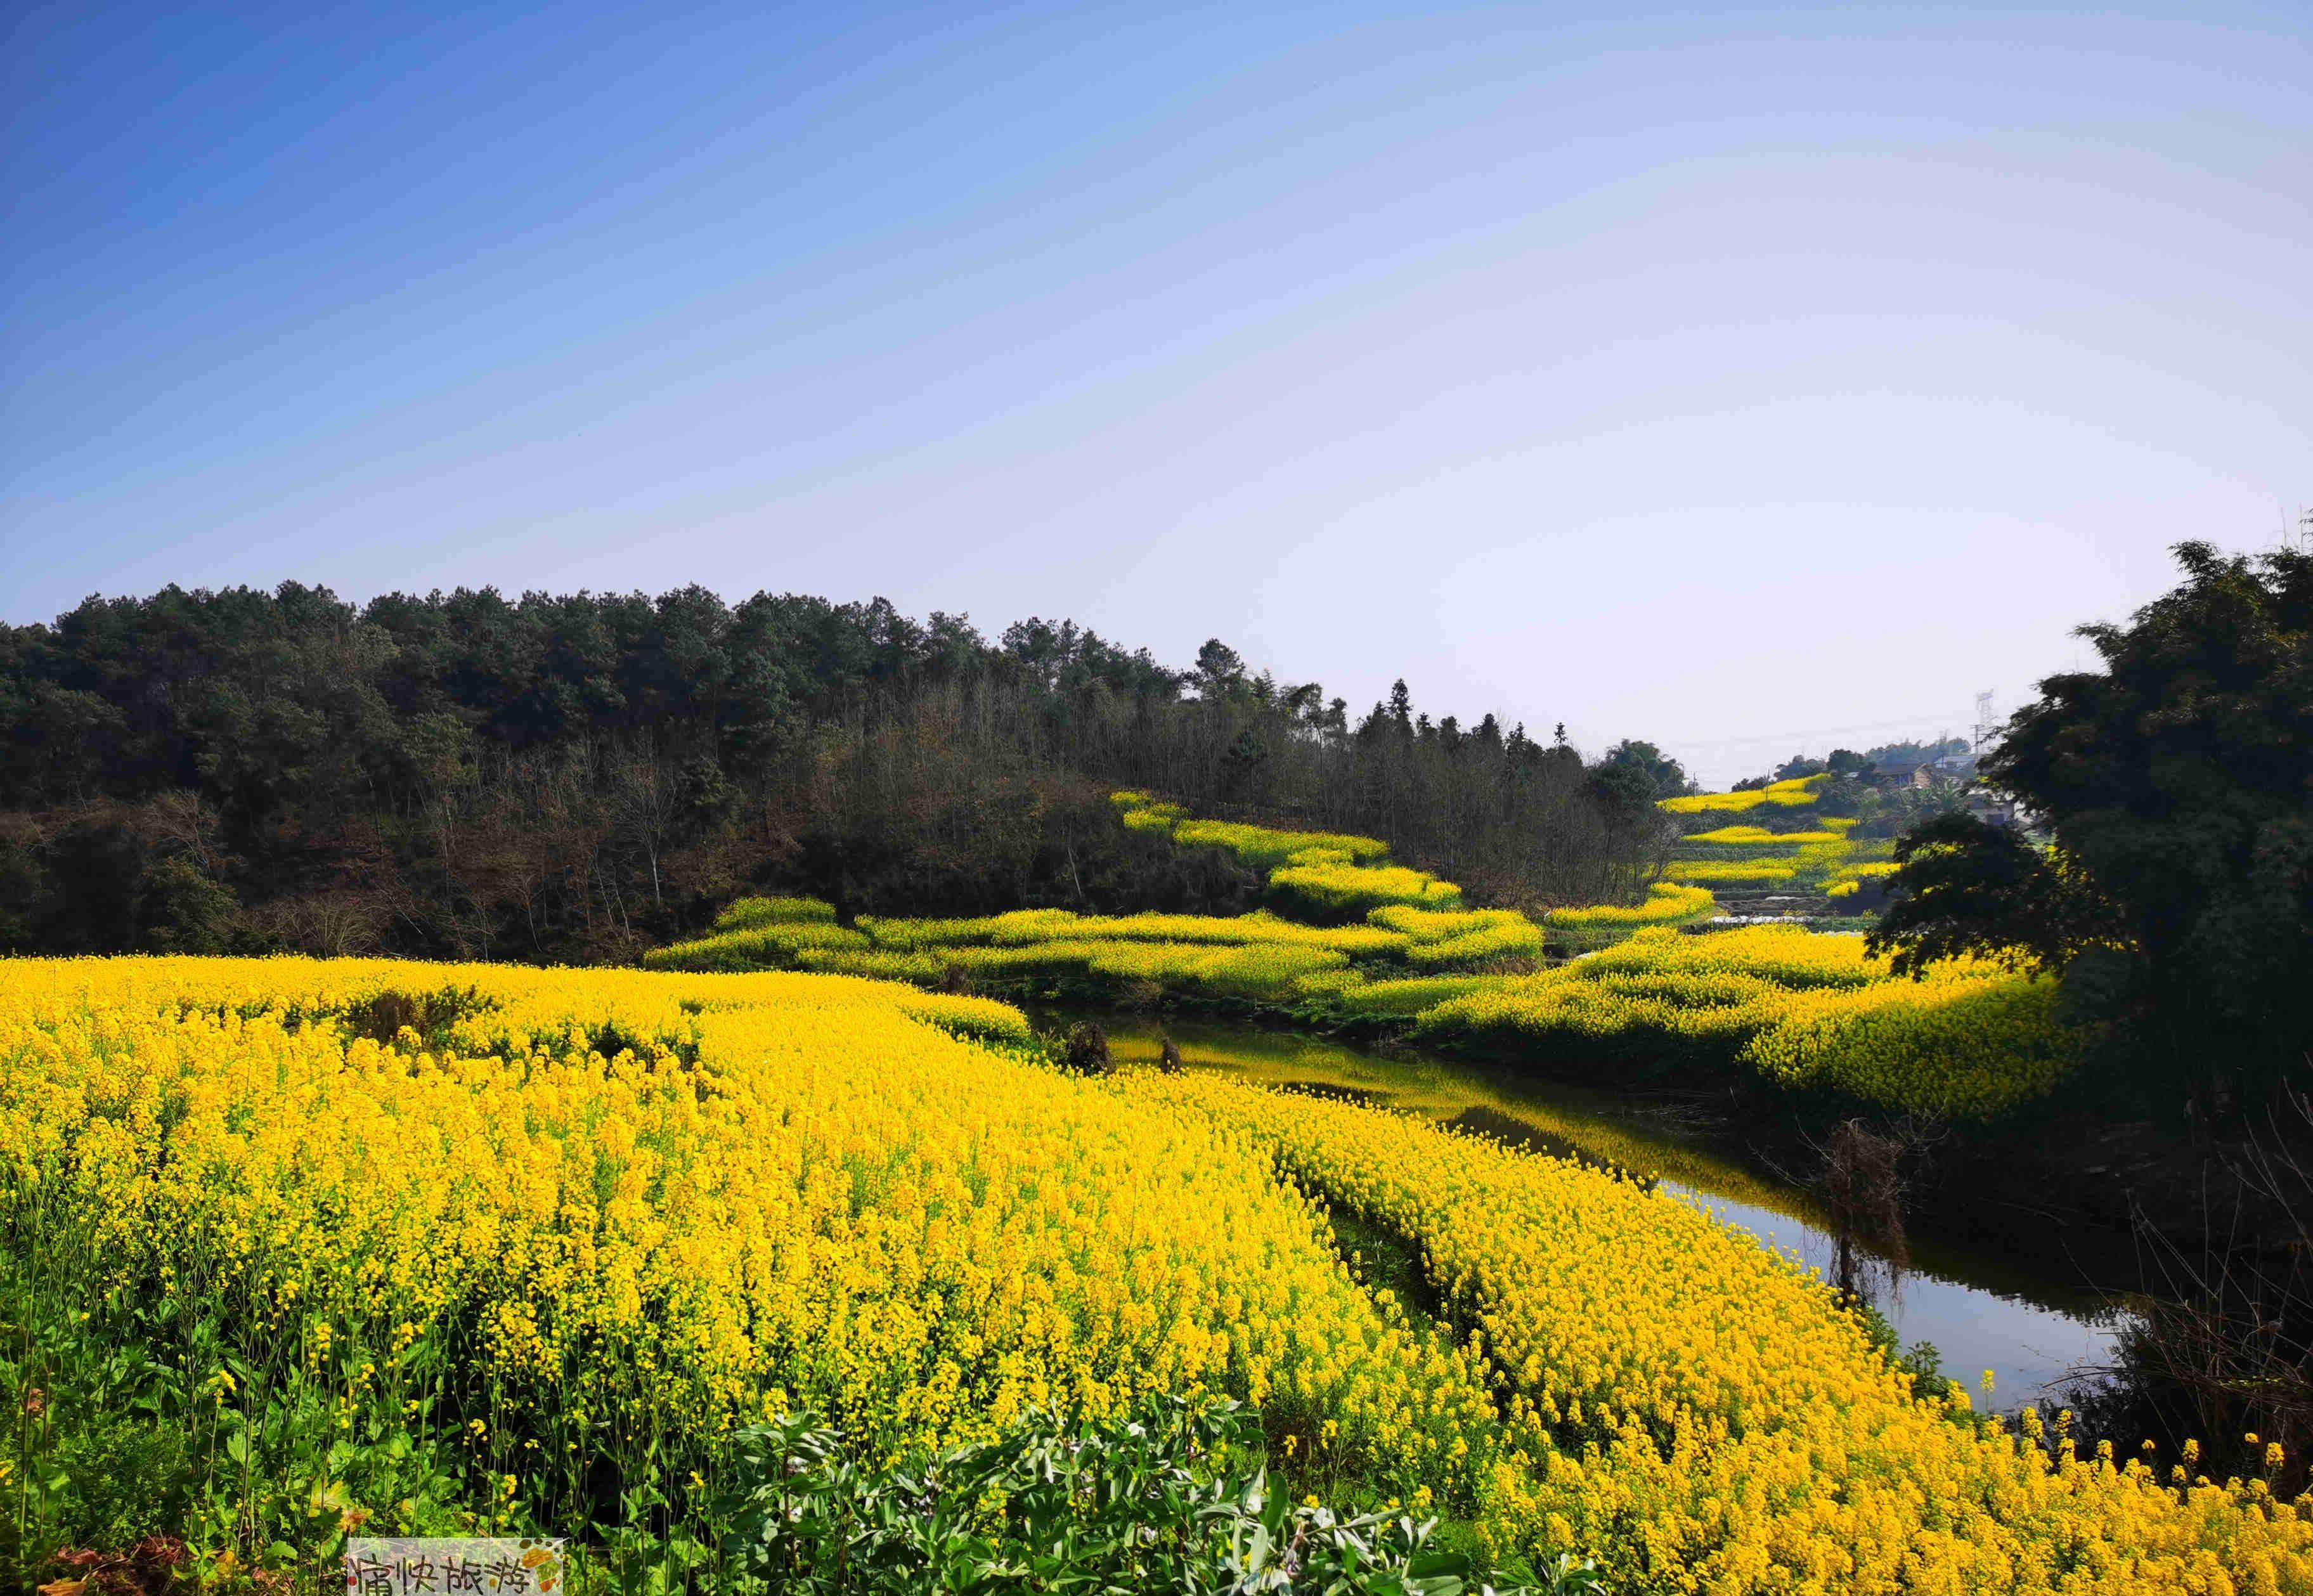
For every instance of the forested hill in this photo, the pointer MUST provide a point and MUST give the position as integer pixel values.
(576, 777)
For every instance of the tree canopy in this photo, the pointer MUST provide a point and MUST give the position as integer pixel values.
(2176, 785)
(566, 775)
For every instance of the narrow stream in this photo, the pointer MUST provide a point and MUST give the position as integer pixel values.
(2028, 1322)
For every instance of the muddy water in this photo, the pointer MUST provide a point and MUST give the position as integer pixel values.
(2026, 1319)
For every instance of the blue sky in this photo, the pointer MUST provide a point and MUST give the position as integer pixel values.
(1734, 378)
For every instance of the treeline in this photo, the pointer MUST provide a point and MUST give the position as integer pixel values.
(576, 777)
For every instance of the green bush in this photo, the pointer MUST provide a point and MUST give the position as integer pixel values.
(1176, 1499)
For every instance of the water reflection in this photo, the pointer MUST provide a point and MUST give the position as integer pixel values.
(1979, 1310)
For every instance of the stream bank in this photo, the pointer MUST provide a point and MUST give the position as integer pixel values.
(2030, 1301)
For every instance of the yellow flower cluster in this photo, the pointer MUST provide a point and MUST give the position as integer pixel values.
(1791, 794)
(590, 1220)
(1759, 836)
(1970, 1041)
(1688, 1408)
(1266, 847)
(1734, 803)
(1709, 872)
(1275, 972)
(1257, 957)
(775, 1190)
(1427, 926)
(1815, 860)
(745, 912)
(754, 947)
(1850, 879)
(1668, 903)
(1025, 928)
(1324, 882)
(1407, 997)
(1141, 812)
(1516, 938)
(1261, 957)
(1805, 1010)
(755, 934)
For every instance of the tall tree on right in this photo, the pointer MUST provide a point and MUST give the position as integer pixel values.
(2174, 899)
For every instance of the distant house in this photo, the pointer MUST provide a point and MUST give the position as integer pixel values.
(1993, 808)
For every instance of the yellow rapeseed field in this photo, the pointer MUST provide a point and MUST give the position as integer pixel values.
(1803, 1009)
(1792, 793)
(1695, 1413)
(603, 1217)
(426, 1248)
(1755, 836)
(1668, 903)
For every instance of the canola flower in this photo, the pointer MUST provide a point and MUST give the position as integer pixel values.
(1266, 847)
(1445, 938)
(1734, 803)
(1962, 1042)
(752, 947)
(1695, 1413)
(1516, 939)
(1261, 972)
(1803, 1010)
(1258, 957)
(1972, 1043)
(1328, 874)
(1264, 971)
(1262, 957)
(744, 913)
(755, 932)
(1707, 872)
(604, 1216)
(1407, 996)
(1330, 877)
(1851, 878)
(1791, 793)
(585, 1223)
(1668, 903)
(1323, 882)
(1141, 812)
(1759, 836)
(1027, 926)
(1971, 1040)
(1421, 926)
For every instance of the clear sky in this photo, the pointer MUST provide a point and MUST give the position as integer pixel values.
(1743, 380)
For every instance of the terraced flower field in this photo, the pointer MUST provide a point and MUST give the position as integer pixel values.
(1802, 1011)
(306, 1246)
(1341, 915)
(1765, 847)
(1791, 1009)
